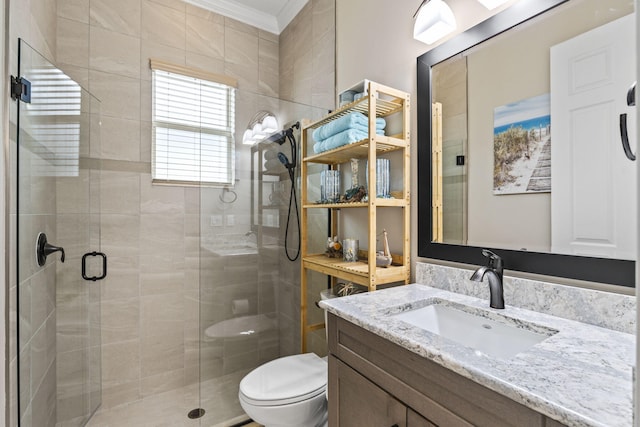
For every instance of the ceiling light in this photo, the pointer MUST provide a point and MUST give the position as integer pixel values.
(434, 21)
(492, 4)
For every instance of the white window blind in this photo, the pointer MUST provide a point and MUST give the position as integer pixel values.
(59, 114)
(193, 130)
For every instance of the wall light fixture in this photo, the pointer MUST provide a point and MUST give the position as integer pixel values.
(434, 20)
(260, 126)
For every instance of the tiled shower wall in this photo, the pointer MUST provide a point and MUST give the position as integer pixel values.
(450, 90)
(151, 233)
(34, 22)
(307, 76)
(307, 56)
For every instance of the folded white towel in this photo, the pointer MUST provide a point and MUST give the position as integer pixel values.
(272, 164)
(270, 154)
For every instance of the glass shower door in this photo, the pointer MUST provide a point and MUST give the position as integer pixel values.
(58, 183)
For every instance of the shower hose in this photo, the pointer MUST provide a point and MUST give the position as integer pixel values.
(293, 200)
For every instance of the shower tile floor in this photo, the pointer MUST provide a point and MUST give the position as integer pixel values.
(169, 409)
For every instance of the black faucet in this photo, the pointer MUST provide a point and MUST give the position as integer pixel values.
(494, 274)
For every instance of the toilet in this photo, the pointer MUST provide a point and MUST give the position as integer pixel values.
(287, 392)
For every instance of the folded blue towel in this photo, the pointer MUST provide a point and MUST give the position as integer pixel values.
(352, 120)
(360, 128)
(345, 137)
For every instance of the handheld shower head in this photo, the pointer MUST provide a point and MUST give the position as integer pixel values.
(284, 160)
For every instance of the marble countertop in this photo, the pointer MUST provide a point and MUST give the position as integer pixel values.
(580, 376)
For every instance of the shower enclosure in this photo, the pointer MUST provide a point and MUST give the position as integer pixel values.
(58, 233)
(249, 289)
(209, 271)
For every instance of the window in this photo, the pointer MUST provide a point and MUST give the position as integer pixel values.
(193, 126)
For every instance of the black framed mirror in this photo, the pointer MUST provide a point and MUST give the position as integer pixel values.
(588, 268)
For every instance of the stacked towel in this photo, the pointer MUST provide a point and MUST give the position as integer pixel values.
(345, 130)
(272, 165)
(354, 120)
(345, 137)
(271, 153)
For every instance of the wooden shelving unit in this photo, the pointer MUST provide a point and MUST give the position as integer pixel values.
(380, 101)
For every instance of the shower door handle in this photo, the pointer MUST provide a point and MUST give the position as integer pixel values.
(84, 266)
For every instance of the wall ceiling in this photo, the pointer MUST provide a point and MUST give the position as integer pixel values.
(269, 15)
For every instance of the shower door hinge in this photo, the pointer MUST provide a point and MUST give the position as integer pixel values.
(21, 89)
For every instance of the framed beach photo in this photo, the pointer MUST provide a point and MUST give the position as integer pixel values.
(522, 146)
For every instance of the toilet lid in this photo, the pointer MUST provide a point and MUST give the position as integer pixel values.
(285, 380)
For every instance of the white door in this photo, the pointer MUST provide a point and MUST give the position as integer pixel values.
(593, 190)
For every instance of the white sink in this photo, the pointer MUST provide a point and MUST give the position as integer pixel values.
(488, 336)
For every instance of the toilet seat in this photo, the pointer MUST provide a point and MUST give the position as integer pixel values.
(285, 380)
(241, 327)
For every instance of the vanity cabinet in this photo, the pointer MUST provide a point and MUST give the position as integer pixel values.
(374, 382)
(362, 403)
(379, 102)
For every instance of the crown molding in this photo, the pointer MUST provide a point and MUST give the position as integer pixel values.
(290, 11)
(248, 15)
(264, 21)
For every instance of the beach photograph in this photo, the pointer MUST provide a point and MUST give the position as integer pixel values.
(522, 146)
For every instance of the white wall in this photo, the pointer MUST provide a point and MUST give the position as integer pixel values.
(374, 40)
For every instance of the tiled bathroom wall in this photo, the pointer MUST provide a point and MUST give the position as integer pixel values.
(307, 56)
(34, 22)
(151, 233)
(307, 76)
(37, 295)
(151, 298)
(450, 90)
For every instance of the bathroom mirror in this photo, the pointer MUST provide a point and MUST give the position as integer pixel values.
(499, 164)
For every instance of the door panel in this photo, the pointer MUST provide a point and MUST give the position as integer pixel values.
(59, 313)
(593, 198)
(362, 403)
